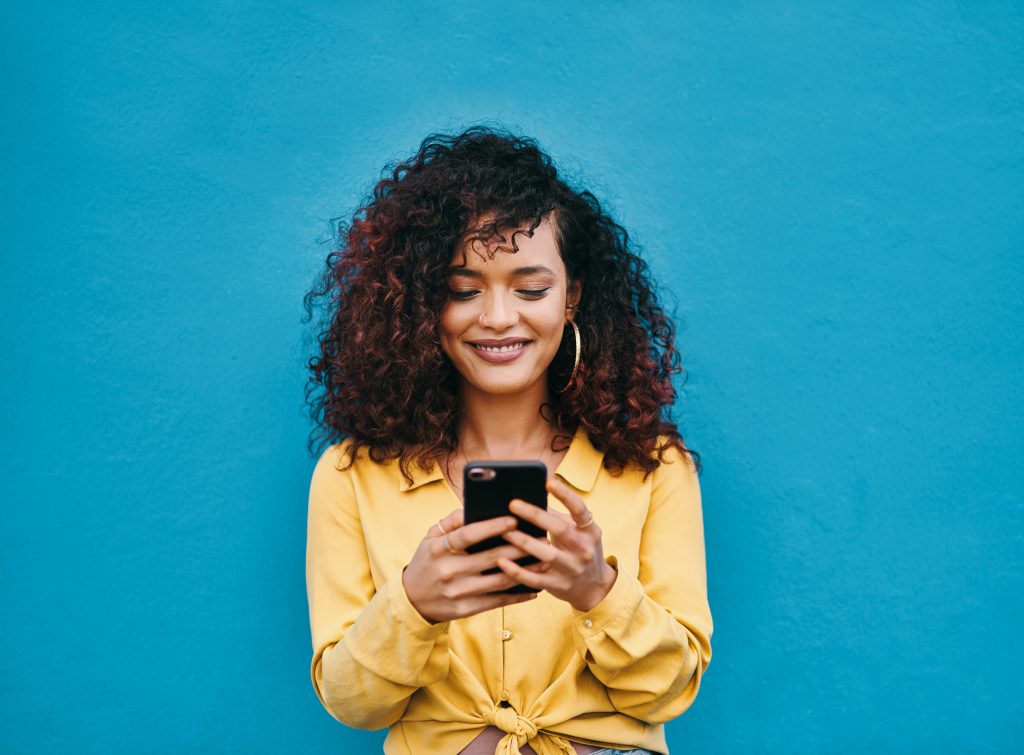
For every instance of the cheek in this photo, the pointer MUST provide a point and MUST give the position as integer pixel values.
(451, 325)
(554, 321)
(443, 320)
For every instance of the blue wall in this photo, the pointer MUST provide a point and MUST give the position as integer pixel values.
(834, 195)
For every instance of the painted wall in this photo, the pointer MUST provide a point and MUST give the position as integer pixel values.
(833, 194)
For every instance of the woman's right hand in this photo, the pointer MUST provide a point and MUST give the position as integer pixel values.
(443, 585)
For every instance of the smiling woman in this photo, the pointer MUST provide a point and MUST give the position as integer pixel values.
(480, 308)
(507, 310)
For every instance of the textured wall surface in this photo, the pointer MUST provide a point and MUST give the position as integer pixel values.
(834, 195)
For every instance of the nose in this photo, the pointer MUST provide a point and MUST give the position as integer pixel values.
(498, 313)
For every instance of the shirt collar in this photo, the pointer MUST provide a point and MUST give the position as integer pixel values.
(579, 467)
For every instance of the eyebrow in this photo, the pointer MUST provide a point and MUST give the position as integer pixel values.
(465, 272)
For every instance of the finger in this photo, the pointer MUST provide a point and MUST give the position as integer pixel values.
(577, 508)
(475, 563)
(555, 523)
(471, 534)
(485, 584)
(521, 575)
(534, 546)
(452, 521)
(563, 533)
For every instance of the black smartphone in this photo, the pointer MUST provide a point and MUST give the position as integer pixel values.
(488, 486)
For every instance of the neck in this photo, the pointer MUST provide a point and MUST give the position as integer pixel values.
(504, 426)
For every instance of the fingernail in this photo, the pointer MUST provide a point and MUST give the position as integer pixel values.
(510, 523)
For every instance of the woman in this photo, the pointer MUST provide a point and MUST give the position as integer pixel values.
(479, 308)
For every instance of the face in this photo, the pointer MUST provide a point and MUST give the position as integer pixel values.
(505, 316)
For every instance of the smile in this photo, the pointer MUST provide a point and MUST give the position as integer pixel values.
(500, 349)
(499, 352)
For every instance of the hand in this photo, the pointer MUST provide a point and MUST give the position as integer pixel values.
(443, 582)
(572, 565)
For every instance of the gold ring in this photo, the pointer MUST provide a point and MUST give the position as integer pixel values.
(448, 545)
(443, 530)
(590, 521)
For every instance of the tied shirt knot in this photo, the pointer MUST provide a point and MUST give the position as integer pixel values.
(520, 730)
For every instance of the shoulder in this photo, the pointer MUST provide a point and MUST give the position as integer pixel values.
(342, 479)
(336, 461)
(337, 456)
(338, 468)
(674, 461)
(675, 488)
(670, 451)
(347, 464)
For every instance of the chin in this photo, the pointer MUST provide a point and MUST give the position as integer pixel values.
(502, 387)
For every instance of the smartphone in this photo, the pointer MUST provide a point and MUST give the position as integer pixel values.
(488, 486)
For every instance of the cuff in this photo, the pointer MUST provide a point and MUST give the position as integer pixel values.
(622, 599)
(403, 611)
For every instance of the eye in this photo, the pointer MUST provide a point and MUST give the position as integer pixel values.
(462, 295)
(536, 293)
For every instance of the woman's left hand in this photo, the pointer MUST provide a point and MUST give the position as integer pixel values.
(572, 565)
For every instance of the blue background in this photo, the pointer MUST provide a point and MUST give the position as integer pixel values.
(833, 194)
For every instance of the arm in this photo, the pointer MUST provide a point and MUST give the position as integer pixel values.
(649, 640)
(371, 648)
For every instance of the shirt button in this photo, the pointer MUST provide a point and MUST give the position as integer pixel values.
(588, 623)
(506, 634)
(504, 694)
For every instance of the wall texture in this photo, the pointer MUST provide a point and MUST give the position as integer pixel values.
(833, 194)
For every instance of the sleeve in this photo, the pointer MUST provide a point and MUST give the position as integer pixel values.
(649, 640)
(371, 648)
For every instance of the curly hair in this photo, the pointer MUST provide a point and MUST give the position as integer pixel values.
(381, 378)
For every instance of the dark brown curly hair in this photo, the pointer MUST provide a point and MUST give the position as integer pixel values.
(381, 378)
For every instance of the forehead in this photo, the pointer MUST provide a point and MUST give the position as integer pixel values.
(537, 251)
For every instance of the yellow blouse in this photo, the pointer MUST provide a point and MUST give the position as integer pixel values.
(541, 671)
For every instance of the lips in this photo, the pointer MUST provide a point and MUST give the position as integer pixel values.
(499, 350)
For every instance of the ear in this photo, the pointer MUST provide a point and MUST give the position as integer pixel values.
(573, 295)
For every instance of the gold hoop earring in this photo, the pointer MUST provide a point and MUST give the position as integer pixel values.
(576, 361)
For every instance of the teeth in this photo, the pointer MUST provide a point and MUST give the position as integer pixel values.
(499, 349)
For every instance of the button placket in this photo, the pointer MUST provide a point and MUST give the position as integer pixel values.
(503, 693)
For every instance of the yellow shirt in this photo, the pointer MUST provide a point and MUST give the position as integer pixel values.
(542, 671)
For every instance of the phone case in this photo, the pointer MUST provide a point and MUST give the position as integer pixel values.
(488, 486)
